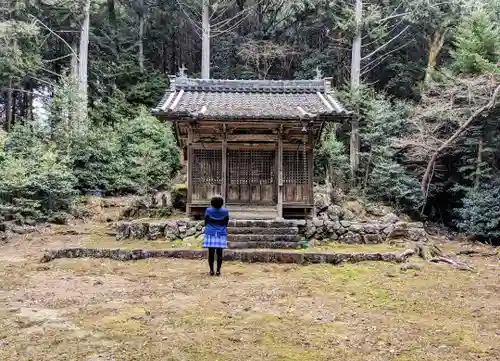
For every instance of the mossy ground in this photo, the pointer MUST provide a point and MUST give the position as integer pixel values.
(166, 309)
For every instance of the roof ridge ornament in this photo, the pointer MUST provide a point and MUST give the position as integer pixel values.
(182, 72)
(319, 74)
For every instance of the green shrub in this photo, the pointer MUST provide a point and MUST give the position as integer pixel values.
(132, 156)
(44, 182)
(480, 212)
(391, 183)
(477, 44)
(149, 152)
(97, 162)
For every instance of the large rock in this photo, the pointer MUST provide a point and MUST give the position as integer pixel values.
(352, 238)
(310, 229)
(191, 232)
(335, 212)
(348, 215)
(356, 228)
(372, 228)
(179, 196)
(137, 230)
(372, 238)
(355, 207)
(345, 224)
(123, 231)
(171, 231)
(377, 210)
(399, 229)
(155, 231)
(318, 222)
(390, 218)
(161, 200)
(417, 234)
(321, 202)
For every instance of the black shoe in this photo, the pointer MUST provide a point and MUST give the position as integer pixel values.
(211, 273)
(218, 274)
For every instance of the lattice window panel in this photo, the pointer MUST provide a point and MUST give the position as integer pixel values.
(207, 166)
(251, 166)
(295, 167)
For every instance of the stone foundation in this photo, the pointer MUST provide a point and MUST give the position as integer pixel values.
(362, 233)
(318, 229)
(170, 230)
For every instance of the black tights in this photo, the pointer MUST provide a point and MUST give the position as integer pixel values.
(211, 257)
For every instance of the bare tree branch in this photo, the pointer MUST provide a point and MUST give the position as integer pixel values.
(395, 26)
(55, 34)
(194, 23)
(381, 47)
(365, 69)
(449, 141)
(58, 58)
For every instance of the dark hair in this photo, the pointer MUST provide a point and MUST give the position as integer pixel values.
(217, 202)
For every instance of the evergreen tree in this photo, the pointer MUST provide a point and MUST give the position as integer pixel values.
(477, 45)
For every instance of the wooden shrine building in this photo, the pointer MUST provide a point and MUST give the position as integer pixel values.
(250, 141)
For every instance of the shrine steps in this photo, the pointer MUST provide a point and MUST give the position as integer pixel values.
(272, 234)
(256, 231)
(252, 212)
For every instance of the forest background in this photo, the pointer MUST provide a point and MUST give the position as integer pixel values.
(78, 80)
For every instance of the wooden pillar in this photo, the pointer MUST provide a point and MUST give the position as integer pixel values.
(310, 168)
(280, 173)
(190, 171)
(224, 166)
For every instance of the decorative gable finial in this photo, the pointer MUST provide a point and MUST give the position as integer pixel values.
(319, 73)
(182, 71)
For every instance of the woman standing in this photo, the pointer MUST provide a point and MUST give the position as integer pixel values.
(216, 221)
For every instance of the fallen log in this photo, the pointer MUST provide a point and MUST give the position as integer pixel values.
(473, 252)
(456, 264)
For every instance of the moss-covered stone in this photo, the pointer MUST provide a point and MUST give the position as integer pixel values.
(179, 196)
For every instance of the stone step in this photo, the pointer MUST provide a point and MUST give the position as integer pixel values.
(264, 245)
(248, 238)
(253, 215)
(262, 230)
(249, 211)
(250, 207)
(255, 223)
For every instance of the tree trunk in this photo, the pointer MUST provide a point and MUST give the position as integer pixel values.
(436, 43)
(355, 83)
(141, 36)
(15, 101)
(479, 160)
(74, 61)
(29, 116)
(205, 41)
(84, 54)
(8, 107)
(113, 22)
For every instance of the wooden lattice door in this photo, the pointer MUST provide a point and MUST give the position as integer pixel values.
(251, 176)
(295, 176)
(207, 174)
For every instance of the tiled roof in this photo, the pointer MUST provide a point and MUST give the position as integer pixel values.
(249, 99)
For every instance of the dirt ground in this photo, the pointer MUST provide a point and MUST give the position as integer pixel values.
(103, 310)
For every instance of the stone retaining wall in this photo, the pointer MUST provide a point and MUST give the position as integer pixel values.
(362, 232)
(159, 229)
(267, 256)
(321, 229)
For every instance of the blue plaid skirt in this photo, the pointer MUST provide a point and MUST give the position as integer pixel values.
(214, 241)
